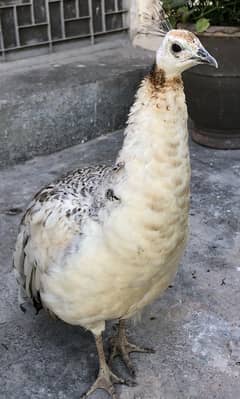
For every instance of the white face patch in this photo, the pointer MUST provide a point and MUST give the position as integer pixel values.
(178, 52)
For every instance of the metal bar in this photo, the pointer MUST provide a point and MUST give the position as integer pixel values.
(49, 26)
(77, 8)
(116, 5)
(90, 7)
(62, 19)
(2, 41)
(26, 46)
(32, 13)
(32, 26)
(116, 12)
(10, 6)
(124, 28)
(87, 36)
(103, 15)
(126, 15)
(16, 25)
(76, 19)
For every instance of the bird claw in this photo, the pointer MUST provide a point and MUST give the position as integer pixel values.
(121, 347)
(106, 380)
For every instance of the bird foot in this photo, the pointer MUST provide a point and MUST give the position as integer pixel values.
(121, 347)
(106, 380)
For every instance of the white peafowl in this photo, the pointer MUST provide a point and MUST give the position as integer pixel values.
(103, 242)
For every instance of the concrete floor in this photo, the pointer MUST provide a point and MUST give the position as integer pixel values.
(194, 327)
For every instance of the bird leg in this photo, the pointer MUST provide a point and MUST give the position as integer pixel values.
(106, 378)
(121, 347)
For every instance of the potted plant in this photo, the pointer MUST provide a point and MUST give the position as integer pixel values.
(213, 96)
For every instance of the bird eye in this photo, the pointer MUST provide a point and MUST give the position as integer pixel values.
(176, 48)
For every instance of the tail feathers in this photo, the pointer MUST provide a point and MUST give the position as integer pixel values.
(26, 272)
(24, 300)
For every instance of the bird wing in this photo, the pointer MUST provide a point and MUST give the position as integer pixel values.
(45, 231)
(54, 217)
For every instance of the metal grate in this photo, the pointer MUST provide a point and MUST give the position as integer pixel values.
(27, 24)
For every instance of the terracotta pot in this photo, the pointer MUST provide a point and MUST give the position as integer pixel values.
(213, 95)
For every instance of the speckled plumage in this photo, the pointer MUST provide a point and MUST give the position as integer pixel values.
(70, 201)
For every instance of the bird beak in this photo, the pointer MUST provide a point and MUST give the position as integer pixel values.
(204, 57)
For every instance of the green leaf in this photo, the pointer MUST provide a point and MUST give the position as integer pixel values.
(172, 21)
(202, 24)
(183, 14)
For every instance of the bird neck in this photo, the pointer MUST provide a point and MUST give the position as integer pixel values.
(156, 135)
(153, 185)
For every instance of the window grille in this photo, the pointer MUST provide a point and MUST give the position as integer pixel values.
(26, 24)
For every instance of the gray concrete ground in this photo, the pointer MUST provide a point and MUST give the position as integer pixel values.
(54, 101)
(194, 327)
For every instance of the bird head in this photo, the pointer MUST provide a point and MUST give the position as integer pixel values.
(181, 50)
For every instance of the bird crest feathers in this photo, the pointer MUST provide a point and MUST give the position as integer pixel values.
(154, 20)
